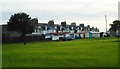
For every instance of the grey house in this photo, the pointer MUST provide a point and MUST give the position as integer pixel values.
(113, 32)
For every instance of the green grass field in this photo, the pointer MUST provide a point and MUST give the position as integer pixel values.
(97, 52)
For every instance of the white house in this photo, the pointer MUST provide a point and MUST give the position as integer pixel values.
(94, 34)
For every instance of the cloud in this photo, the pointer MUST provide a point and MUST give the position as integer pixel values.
(80, 11)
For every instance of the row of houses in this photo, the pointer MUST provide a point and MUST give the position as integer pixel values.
(66, 32)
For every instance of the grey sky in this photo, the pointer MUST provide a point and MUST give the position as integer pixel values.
(89, 12)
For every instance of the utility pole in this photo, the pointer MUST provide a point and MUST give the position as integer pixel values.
(106, 22)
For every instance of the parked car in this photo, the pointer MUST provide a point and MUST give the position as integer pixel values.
(67, 38)
(118, 35)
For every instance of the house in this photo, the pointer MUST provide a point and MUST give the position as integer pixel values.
(81, 34)
(57, 32)
(10, 36)
(7, 33)
(89, 34)
(41, 28)
(57, 36)
(113, 32)
(94, 34)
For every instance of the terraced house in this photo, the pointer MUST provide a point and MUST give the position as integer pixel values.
(65, 32)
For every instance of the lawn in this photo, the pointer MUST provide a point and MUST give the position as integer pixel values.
(96, 52)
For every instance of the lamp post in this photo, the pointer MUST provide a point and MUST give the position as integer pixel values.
(106, 22)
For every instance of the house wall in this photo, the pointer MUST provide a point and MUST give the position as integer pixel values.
(72, 31)
(61, 35)
(87, 35)
(72, 36)
(118, 31)
(95, 35)
(55, 37)
(82, 35)
(14, 34)
(65, 31)
(47, 36)
(44, 32)
(51, 31)
(90, 35)
(77, 36)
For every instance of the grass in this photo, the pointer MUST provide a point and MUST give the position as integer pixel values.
(97, 52)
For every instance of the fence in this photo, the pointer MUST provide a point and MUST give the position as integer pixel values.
(28, 38)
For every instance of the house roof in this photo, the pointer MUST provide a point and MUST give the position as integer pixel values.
(43, 24)
(83, 32)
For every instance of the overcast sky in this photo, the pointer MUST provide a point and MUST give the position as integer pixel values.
(89, 12)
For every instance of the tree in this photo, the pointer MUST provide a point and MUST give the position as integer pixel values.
(115, 26)
(21, 22)
(33, 24)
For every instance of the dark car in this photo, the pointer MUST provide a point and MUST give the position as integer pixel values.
(65, 38)
(118, 35)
